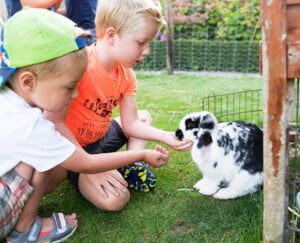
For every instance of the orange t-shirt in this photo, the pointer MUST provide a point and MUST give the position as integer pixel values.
(90, 113)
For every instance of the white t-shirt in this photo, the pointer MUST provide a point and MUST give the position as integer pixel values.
(25, 135)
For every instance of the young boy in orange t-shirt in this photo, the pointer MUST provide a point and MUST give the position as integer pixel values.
(124, 30)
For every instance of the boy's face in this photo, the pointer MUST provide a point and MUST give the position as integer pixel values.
(55, 94)
(132, 47)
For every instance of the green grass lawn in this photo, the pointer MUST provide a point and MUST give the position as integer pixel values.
(170, 214)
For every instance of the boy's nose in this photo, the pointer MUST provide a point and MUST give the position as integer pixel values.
(75, 93)
(146, 51)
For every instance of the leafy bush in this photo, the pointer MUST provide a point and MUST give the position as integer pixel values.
(216, 19)
(240, 21)
(197, 17)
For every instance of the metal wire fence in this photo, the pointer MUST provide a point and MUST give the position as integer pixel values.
(243, 105)
(294, 173)
(213, 44)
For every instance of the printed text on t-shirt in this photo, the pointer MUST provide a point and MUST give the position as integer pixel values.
(101, 108)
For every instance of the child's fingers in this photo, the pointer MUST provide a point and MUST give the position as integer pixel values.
(102, 192)
(164, 156)
(185, 145)
(120, 178)
(165, 151)
(81, 32)
(113, 187)
(158, 148)
(161, 149)
(119, 183)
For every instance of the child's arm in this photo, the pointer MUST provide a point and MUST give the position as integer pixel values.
(83, 162)
(41, 3)
(58, 118)
(133, 127)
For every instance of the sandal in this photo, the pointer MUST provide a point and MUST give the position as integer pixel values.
(61, 231)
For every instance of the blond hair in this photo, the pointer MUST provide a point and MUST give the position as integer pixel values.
(124, 15)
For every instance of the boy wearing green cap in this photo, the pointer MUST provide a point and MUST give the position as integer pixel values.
(41, 62)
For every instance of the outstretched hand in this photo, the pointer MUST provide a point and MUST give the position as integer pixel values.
(171, 140)
(157, 157)
(109, 182)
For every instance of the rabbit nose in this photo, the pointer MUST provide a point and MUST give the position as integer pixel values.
(179, 134)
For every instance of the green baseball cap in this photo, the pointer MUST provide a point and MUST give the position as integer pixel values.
(35, 35)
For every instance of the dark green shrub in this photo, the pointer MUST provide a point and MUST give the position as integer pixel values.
(195, 55)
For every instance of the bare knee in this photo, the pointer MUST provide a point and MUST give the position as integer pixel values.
(112, 203)
(25, 171)
(92, 193)
(115, 204)
(145, 116)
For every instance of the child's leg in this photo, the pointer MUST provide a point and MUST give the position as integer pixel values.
(139, 175)
(56, 176)
(41, 182)
(94, 187)
(107, 190)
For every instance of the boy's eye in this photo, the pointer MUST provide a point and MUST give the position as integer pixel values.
(71, 88)
(141, 43)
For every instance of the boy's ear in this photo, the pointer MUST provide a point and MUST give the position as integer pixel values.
(110, 35)
(27, 81)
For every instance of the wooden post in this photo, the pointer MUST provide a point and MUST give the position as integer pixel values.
(274, 51)
(170, 64)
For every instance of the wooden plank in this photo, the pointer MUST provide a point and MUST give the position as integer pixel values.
(274, 55)
(260, 58)
(294, 60)
(291, 2)
(293, 23)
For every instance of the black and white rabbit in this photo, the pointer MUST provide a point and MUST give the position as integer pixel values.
(229, 154)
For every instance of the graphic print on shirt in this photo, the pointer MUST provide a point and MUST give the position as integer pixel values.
(90, 113)
(92, 129)
(102, 109)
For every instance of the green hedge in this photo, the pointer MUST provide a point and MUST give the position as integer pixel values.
(193, 55)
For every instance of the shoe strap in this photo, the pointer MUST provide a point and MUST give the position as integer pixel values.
(29, 236)
(60, 222)
(35, 230)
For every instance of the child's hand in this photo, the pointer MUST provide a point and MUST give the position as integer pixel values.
(157, 157)
(171, 140)
(107, 183)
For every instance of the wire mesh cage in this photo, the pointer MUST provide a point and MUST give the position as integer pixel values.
(243, 105)
(294, 173)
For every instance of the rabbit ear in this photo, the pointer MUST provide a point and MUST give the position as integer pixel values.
(208, 121)
(204, 140)
(191, 124)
